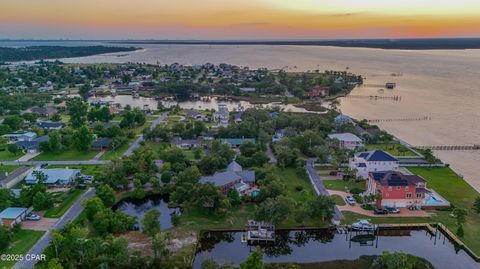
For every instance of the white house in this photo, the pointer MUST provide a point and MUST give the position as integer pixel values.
(372, 161)
(221, 116)
(348, 140)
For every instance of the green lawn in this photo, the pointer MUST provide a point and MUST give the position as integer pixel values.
(67, 200)
(393, 149)
(116, 153)
(8, 168)
(338, 200)
(66, 155)
(5, 155)
(453, 188)
(342, 185)
(22, 242)
(299, 189)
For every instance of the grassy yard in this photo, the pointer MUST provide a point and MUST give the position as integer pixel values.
(67, 200)
(66, 155)
(22, 242)
(453, 188)
(338, 200)
(116, 153)
(5, 155)
(342, 185)
(86, 169)
(393, 149)
(8, 168)
(298, 189)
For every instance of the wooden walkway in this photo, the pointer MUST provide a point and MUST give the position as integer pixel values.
(395, 98)
(451, 147)
(400, 119)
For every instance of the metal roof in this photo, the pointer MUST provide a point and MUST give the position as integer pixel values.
(12, 212)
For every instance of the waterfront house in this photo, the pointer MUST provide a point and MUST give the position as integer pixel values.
(8, 180)
(12, 215)
(372, 161)
(221, 116)
(390, 85)
(194, 114)
(397, 189)
(343, 119)
(58, 176)
(348, 140)
(236, 142)
(318, 91)
(234, 177)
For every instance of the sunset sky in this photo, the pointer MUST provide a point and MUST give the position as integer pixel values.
(238, 19)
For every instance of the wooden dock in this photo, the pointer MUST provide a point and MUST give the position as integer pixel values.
(451, 147)
(400, 119)
(395, 98)
(258, 232)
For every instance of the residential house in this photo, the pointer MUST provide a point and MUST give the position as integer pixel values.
(50, 125)
(372, 161)
(221, 116)
(318, 92)
(58, 176)
(397, 189)
(12, 215)
(102, 143)
(236, 142)
(237, 117)
(234, 177)
(247, 90)
(8, 180)
(25, 136)
(348, 140)
(343, 119)
(194, 114)
(32, 146)
(42, 111)
(278, 136)
(186, 143)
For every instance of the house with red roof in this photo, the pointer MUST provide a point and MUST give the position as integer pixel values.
(318, 91)
(397, 189)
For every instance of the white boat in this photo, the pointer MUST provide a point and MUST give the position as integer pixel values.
(363, 225)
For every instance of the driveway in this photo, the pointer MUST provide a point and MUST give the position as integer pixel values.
(28, 156)
(69, 216)
(404, 212)
(44, 224)
(136, 144)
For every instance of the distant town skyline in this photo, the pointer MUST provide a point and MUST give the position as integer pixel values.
(238, 19)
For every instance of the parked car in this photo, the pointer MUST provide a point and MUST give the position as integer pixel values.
(379, 211)
(43, 165)
(392, 210)
(81, 186)
(334, 173)
(32, 216)
(350, 200)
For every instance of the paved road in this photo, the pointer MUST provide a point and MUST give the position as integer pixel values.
(56, 162)
(271, 156)
(69, 216)
(135, 145)
(320, 188)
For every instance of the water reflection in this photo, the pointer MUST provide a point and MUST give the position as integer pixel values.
(138, 207)
(309, 246)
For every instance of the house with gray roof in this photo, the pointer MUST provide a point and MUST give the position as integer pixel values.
(32, 146)
(12, 215)
(236, 142)
(234, 177)
(57, 176)
(347, 140)
(50, 125)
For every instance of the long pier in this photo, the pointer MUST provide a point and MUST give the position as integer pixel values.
(451, 147)
(400, 119)
(396, 98)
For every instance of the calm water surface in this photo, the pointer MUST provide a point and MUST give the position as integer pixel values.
(442, 84)
(323, 245)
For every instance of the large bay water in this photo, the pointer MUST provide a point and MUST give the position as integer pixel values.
(441, 84)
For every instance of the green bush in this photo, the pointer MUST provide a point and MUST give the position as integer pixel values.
(356, 191)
